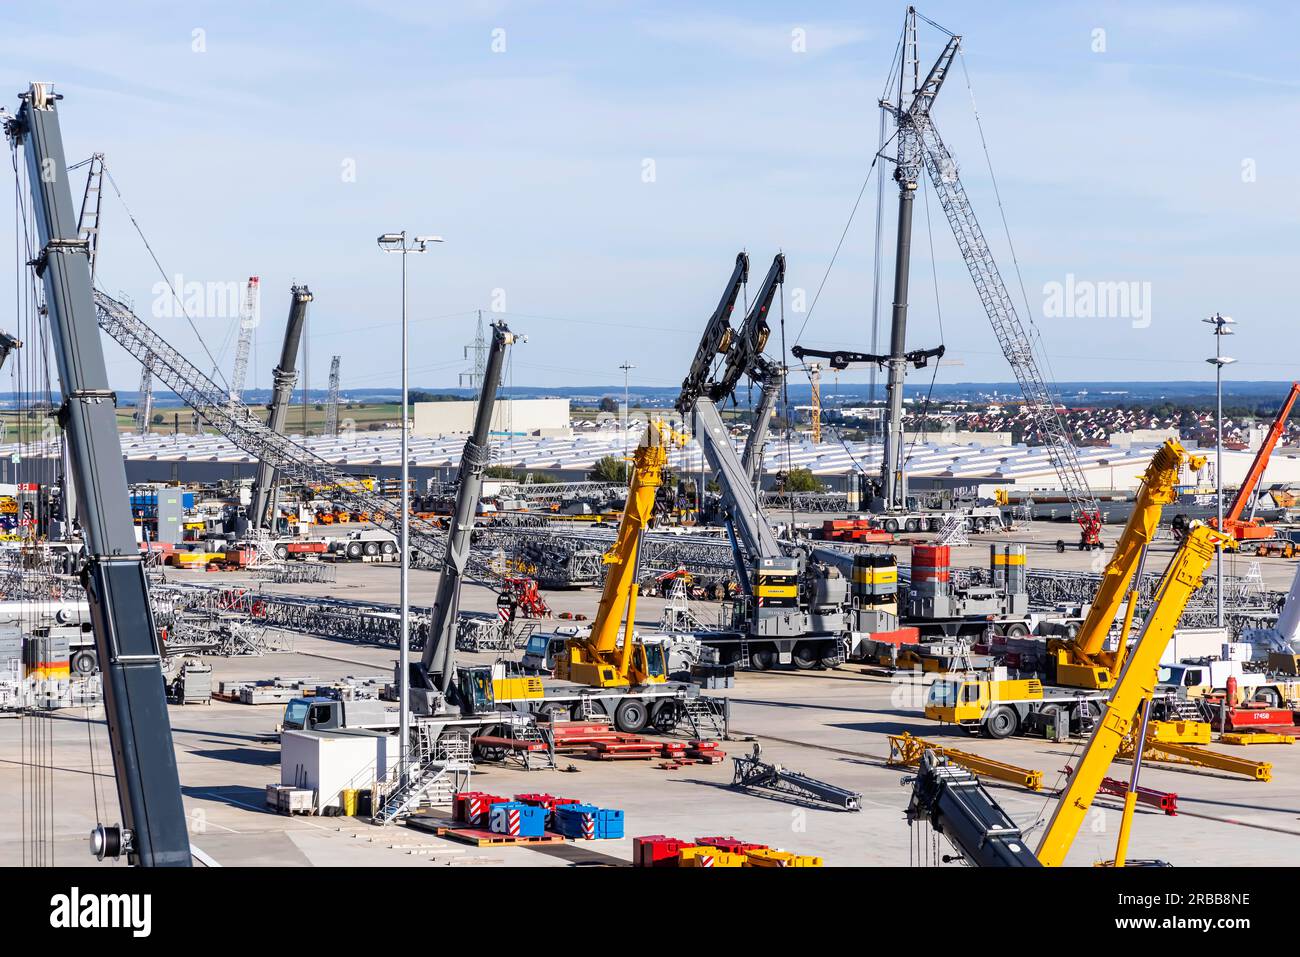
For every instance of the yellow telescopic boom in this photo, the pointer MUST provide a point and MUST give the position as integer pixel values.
(1084, 662)
(599, 660)
(1136, 683)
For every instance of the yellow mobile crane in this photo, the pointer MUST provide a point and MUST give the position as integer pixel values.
(1084, 662)
(1136, 685)
(957, 805)
(598, 659)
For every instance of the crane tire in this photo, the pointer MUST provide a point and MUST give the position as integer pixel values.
(631, 716)
(1001, 721)
(805, 656)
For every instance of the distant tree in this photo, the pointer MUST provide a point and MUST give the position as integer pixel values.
(419, 395)
(608, 404)
(801, 480)
(609, 469)
(157, 419)
(507, 474)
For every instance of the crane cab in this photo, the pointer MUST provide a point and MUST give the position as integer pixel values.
(485, 687)
(648, 665)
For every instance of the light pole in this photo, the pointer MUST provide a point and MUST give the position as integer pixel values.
(1220, 324)
(626, 367)
(396, 243)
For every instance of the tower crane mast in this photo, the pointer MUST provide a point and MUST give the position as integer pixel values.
(920, 147)
(247, 323)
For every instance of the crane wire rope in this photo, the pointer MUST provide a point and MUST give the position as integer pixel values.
(161, 272)
(1036, 332)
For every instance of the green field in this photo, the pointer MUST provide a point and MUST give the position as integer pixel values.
(357, 416)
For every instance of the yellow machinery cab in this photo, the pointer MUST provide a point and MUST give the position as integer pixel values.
(649, 665)
(483, 687)
(965, 700)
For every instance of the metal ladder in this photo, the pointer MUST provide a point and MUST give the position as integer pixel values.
(529, 732)
(707, 717)
(520, 639)
(743, 660)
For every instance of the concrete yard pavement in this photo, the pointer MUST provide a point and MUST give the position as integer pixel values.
(832, 725)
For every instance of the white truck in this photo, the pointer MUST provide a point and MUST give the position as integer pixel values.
(366, 544)
(1196, 679)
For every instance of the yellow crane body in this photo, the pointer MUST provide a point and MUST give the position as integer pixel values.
(1136, 684)
(600, 660)
(1084, 661)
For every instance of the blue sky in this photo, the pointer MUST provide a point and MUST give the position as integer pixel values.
(1116, 165)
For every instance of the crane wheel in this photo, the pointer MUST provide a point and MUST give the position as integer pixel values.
(85, 662)
(631, 716)
(665, 717)
(1060, 546)
(390, 548)
(1001, 722)
(1017, 629)
(762, 659)
(805, 656)
(354, 550)
(372, 548)
(913, 525)
(281, 552)
(891, 525)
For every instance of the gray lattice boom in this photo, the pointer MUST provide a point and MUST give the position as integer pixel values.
(1245, 605)
(660, 552)
(332, 404)
(558, 491)
(238, 424)
(807, 501)
(1010, 331)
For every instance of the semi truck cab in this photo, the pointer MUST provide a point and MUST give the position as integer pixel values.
(328, 714)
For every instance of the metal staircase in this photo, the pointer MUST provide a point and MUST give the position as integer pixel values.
(706, 717)
(429, 777)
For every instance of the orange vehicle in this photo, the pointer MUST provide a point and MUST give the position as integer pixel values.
(1244, 529)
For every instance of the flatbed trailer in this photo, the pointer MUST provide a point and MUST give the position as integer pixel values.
(631, 709)
(979, 518)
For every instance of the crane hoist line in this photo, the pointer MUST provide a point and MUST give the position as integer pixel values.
(921, 150)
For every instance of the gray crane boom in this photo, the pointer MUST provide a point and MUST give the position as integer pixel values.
(154, 829)
(716, 339)
(742, 501)
(439, 660)
(283, 378)
(960, 808)
(752, 456)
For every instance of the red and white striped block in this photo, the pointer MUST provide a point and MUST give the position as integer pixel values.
(589, 827)
(477, 807)
(706, 860)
